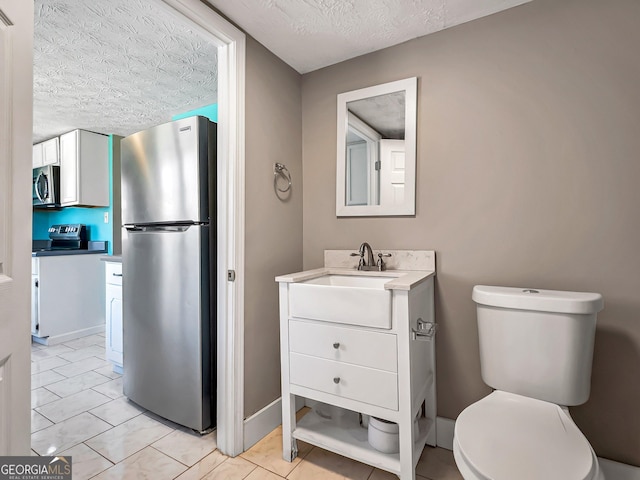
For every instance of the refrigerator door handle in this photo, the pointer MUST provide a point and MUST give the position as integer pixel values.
(157, 228)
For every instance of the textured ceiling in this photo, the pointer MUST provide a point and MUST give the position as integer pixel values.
(116, 66)
(311, 34)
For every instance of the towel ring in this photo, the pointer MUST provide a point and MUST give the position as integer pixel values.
(279, 170)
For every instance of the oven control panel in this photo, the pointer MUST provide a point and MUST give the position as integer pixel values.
(75, 231)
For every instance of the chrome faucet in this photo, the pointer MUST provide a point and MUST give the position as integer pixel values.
(369, 262)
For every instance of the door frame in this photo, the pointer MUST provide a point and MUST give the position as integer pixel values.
(231, 44)
(16, 94)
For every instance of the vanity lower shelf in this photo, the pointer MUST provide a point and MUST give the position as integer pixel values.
(347, 437)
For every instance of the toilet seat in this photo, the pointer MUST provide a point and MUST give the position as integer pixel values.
(506, 436)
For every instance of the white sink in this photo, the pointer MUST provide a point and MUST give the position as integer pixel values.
(349, 299)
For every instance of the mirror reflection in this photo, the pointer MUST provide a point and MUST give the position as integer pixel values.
(376, 150)
(375, 137)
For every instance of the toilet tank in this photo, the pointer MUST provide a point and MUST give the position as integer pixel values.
(537, 343)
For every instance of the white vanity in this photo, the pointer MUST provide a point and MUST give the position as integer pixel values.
(363, 341)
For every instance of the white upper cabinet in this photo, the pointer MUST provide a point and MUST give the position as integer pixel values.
(37, 155)
(84, 169)
(46, 153)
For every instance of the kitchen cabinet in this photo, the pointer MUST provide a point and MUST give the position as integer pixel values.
(84, 169)
(46, 153)
(383, 371)
(67, 298)
(113, 314)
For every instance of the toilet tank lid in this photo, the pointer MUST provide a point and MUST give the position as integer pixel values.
(538, 300)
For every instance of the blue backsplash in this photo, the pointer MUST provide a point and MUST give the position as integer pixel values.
(93, 218)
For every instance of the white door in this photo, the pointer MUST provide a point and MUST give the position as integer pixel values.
(392, 172)
(16, 92)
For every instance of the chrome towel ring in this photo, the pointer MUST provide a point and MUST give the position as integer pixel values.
(279, 170)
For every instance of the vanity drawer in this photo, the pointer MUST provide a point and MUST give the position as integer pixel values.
(368, 385)
(349, 345)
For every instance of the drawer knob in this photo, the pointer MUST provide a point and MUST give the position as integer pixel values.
(336, 345)
(336, 380)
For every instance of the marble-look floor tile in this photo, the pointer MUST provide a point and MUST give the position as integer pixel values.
(45, 378)
(262, 474)
(42, 365)
(112, 389)
(438, 463)
(82, 353)
(320, 464)
(49, 351)
(82, 366)
(107, 371)
(204, 466)
(232, 469)
(38, 422)
(117, 411)
(128, 438)
(42, 396)
(148, 464)
(268, 453)
(84, 342)
(76, 384)
(86, 462)
(64, 435)
(186, 447)
(72, 405)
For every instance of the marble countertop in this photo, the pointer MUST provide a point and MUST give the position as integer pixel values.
(405, 268)
(398, 279)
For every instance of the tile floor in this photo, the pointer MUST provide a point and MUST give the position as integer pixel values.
(78, 409)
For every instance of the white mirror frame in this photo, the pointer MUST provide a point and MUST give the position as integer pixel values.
(410, 87)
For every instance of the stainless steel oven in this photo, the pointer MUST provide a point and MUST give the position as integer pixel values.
(46, 186)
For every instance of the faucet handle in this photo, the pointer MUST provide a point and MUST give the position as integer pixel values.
(380, 263)
(361, 261)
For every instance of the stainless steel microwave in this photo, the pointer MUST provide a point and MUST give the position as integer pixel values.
(46, 186)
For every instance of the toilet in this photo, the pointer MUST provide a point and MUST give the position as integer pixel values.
(536, 350)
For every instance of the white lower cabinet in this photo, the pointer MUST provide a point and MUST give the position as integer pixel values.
(380, 372)
(113, 313)
(66, 297)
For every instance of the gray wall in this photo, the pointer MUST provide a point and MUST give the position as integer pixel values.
(273, 236)
(528, 144)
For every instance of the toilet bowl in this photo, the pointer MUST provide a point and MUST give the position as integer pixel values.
(506, 436)
(536, 351)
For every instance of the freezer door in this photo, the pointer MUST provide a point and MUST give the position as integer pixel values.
(165, 173)
(168, 346)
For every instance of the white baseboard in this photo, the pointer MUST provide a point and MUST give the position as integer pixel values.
(261, 423)
(65, 337)
(618, 471)
(612, 470)
(444, 432)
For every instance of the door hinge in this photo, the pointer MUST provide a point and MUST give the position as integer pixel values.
(378, 165)
(231, 275)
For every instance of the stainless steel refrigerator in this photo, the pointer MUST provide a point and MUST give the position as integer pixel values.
(168, 265)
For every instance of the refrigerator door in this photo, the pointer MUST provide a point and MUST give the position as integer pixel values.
(168, 335)
(165, 173)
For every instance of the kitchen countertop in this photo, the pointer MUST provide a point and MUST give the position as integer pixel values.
(40, 250)
(112, 258)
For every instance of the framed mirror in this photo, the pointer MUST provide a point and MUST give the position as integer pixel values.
(376, 150)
